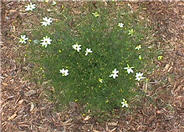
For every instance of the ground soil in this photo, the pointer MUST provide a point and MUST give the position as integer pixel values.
(24, 109)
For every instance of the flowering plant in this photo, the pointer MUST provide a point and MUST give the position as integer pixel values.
(95, 62)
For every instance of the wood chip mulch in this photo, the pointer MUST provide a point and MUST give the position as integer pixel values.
(23, 108)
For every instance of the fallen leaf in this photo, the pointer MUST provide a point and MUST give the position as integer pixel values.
(112, 130)
(12, 11)
(95, 131)
(21, 101)
(12, 117)
(32, 107)
(29, 93)
(112, 123)
(87, 118)
(4, 84)
(166, 67)
(179, 101)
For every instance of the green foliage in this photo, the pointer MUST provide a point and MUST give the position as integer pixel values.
(88, 82)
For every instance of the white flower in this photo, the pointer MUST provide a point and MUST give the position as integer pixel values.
(46, 21)
(139, 76)
(115, 71)
(23, 39)
(120, 25)
(30, 7)
(53, 3)
(114, 74)
(129, 69)
(46, 41)
(88, 51)
(124, 103)
(64, 72)
(76, 47)
(138, 47)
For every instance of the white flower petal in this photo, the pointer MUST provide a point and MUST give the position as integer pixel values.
(88, 51)
(46, 41)
(64, 72)
(46, 21)
(30, 7)
(76, 47)
(129, 69)
(114, 74)
(139, 76)
(23, 39)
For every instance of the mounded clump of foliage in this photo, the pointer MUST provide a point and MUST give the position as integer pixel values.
(94, 58)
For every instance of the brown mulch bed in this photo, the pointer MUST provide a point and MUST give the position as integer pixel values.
(24, 109)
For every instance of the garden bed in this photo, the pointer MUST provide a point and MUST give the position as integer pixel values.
(160, 110)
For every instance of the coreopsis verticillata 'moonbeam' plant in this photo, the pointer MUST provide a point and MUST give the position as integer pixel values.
(30, 7)
(114, 74)
(88, 51)
(64, 72)
(139, 76)
(129, 69)
(46, 21)
(76, 47)
(46, 41)
(23, 39)
(121, 25)
(124, 103)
